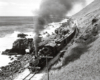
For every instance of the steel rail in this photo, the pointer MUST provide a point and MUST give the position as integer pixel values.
(27, 76)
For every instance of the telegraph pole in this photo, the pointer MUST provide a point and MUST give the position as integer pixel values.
(47, 63)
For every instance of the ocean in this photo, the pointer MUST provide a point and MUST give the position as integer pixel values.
(10, 26)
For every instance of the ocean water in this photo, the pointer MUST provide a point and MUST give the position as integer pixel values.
(10, 26)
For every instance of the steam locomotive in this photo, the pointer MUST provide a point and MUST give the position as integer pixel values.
(53, 47)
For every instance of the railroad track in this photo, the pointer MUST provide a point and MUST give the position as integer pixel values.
(29, 76)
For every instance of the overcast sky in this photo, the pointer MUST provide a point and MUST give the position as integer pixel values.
(20, 7)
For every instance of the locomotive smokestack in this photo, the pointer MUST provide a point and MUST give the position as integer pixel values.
(39, 23)
(52, 11)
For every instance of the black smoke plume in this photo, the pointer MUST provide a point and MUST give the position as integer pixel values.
(52, 11)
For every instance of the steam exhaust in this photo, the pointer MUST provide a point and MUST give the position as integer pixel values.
(52, 11)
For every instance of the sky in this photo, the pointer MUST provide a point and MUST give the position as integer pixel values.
(26, 7)
(18, 7)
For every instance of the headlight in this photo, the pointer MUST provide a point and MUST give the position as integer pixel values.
(27, 50)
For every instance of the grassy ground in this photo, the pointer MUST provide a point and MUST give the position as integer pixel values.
(81, 61)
